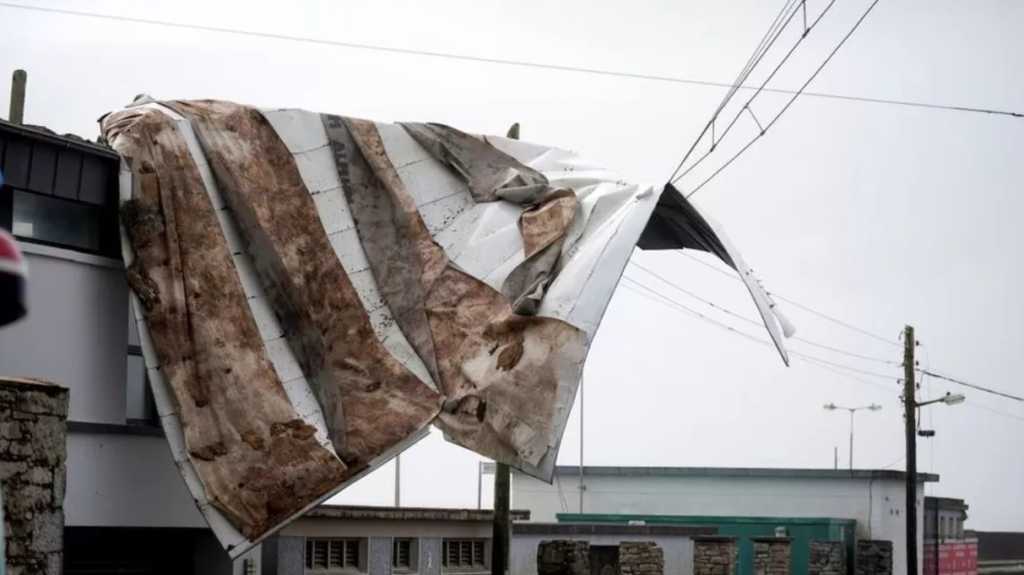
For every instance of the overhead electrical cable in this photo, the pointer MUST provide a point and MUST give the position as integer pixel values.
(672, 303)
(495, 61)
(676, 176)
(757, 323)
(812, 361)
(765, 129)
(795, 304)
(971, 385)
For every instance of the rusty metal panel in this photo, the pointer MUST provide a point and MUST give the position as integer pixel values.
(378, 278)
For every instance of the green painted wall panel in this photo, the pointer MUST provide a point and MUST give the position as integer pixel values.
(801, 530)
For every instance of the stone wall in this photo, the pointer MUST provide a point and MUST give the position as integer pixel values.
(562, 557)
(714, 555)
(771, 555)
(641, 559)
(33, 448)
(827, 558)
(873, 557)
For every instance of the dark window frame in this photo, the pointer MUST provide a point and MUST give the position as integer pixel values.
(90, 160)
(456, 560)
(351, 555)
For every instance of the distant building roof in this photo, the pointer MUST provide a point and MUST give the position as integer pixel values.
(353, 512)
(1000, 546)
(945, 504)
(753, 472)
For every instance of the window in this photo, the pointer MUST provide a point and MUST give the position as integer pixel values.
(463, 555)
(57, 222)
(333, 555)
(401, 554)
(140, 408)
(58, 192)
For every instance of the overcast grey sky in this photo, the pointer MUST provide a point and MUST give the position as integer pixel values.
(876, 214)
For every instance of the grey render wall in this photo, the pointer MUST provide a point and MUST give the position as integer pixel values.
(76, 334)
(678, 550)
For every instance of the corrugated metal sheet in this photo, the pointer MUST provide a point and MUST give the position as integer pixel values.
(296, 271)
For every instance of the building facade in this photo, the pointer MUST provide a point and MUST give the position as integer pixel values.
(384, 541)
(874, 500)
(125, 500)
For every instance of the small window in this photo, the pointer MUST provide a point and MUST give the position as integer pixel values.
(401, 554)
(57, 222)
(463, 555)
(332, 555)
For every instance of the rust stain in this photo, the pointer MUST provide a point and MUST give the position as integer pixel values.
(371, 401)
(209, 452)
(206, 338)
(510, 356)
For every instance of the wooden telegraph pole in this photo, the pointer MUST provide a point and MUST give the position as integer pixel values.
(502, 489)
(910, 411)
(17, 110)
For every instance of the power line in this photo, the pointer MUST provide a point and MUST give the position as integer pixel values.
(795, 304)
(810, 360)
(788, 104)
(672, 303)
(499, 61)
(762, 49)
(746, 107)
(757, 323)
(971, 385)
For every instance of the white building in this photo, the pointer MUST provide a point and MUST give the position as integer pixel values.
(59, 198)
(875, 500)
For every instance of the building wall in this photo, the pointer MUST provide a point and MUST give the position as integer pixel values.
(285, 554)
(678, 550)
(877, 505)
(76, 334)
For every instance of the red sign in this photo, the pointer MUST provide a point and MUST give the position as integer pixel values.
(955, 558)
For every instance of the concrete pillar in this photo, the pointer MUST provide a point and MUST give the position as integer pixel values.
(873, 557)
(562, 557)
(714, 555)
(827, 558)
(33, 449)
(771, 555)
(641, 559)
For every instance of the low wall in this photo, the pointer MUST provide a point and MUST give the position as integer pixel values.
(33, 449)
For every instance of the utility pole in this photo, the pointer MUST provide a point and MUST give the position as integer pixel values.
(910, 413)
(502, 489)
(398, 480)
(18, 82)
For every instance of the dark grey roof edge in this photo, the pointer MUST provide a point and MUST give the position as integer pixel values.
(45, 135)
(757, 472)
(356, 512)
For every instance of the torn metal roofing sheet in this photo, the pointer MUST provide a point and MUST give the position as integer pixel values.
(313, 291)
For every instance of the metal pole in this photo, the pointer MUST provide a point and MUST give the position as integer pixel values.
(18, 82)
(852, 411)
(835, 457)
(582, 486)
(480, 485)
(910, 412)
(502, 489)
(398, 480)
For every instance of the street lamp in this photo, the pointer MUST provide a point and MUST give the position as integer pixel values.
(852, 410)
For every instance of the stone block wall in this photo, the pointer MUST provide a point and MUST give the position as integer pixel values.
(636, 558)
(873, 557)
(827, 558)
(561, 557)
(33, 448)
(714, 555)
(771, 555)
